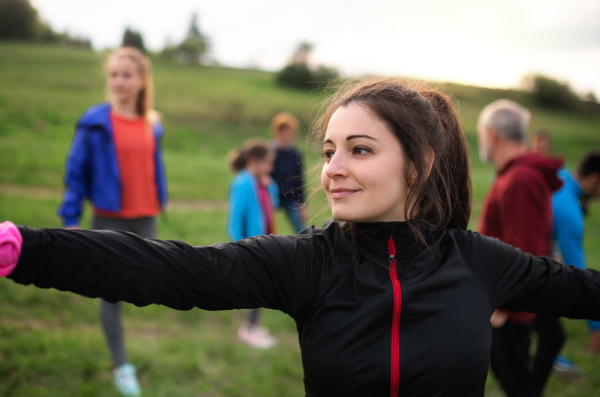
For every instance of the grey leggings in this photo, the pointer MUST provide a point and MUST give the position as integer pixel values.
(110, 313)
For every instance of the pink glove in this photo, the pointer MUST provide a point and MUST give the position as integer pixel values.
(10, 247)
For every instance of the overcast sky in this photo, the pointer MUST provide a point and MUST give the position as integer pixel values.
(489, 43)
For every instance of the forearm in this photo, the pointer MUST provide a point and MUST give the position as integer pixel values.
(120, 266)
(566, 291)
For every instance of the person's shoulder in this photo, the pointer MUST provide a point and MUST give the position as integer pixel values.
(523, 173)
(158, 128)
(97, 114)
(523, 178)
(241, 179)
(328, 236)
(471, 244)
(468, 238)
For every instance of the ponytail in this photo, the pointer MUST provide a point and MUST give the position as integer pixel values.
(255, 148)
(454, 179)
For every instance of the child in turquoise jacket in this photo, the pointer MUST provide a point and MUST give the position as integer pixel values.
(253, 199)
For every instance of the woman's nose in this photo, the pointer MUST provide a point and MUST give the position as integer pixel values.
(336, 168)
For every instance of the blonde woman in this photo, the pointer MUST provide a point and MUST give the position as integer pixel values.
(115, 161)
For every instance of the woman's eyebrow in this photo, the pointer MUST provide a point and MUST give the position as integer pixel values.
(360, 136)
(350, 137)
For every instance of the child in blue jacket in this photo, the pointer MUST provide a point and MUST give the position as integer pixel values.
(253, 198)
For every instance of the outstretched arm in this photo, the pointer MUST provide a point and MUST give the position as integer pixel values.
(522, 282)
(269, 271)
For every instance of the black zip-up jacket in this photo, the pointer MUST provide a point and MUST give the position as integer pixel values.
(384, 318)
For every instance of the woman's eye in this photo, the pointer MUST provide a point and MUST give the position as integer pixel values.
(361, 150)
(327, 155)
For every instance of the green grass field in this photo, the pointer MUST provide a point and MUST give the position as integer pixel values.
(50, 341)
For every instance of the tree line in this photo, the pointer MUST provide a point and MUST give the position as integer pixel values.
(19, 20)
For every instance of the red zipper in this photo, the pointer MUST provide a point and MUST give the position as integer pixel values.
(395, 373)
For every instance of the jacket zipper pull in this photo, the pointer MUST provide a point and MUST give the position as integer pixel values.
(392, 257)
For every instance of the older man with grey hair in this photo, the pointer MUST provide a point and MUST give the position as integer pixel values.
(502, 123)
(518, 211)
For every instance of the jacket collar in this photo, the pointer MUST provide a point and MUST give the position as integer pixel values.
(99, 116)
(373, 237)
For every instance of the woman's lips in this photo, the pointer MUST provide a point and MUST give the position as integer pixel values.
(342, 193)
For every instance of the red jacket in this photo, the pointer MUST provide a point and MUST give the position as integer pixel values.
(518, 208)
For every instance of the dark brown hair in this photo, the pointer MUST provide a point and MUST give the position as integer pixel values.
(255, 148)
(424, 122)
(590, 164)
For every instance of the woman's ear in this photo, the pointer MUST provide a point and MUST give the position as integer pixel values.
(413, 173)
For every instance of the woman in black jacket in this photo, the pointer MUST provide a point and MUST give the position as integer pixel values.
(393, 297)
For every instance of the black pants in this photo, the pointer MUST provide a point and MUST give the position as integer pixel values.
(510, 359)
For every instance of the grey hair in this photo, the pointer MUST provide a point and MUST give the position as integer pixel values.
(507, 117)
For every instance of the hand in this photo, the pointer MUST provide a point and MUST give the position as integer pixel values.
(73, 227)
(594, 345)
(498, 319)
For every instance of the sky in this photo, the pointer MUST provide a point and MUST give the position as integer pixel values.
(487, 43)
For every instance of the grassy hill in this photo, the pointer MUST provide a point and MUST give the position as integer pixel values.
(50, 342)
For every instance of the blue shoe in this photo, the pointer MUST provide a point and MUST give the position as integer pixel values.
(566, 369)
(126, 381)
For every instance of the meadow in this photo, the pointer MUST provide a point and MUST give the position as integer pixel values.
(50, 341)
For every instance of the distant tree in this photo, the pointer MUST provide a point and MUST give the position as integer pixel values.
(302, 54)
(195, 45)
(192, 49)
(18, 20)
(298, 72)
(295, 75)
(590, 103)
(131, 38)
(590, 97)
(551, 93)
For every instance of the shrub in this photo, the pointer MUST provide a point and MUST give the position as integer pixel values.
(552, 93)
(131, 38)
(299, 74)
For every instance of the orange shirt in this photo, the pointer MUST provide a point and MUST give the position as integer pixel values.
(135, 148)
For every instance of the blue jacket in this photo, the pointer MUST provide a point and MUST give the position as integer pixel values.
(245, 218)
(92, 170)
(568, 225)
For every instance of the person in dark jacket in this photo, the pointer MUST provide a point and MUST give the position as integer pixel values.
(115, 161)
(392, 297)
(287, 170)
(518, 211)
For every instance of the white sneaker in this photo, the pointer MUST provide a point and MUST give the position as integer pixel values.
(126, 381)
(256, 336)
